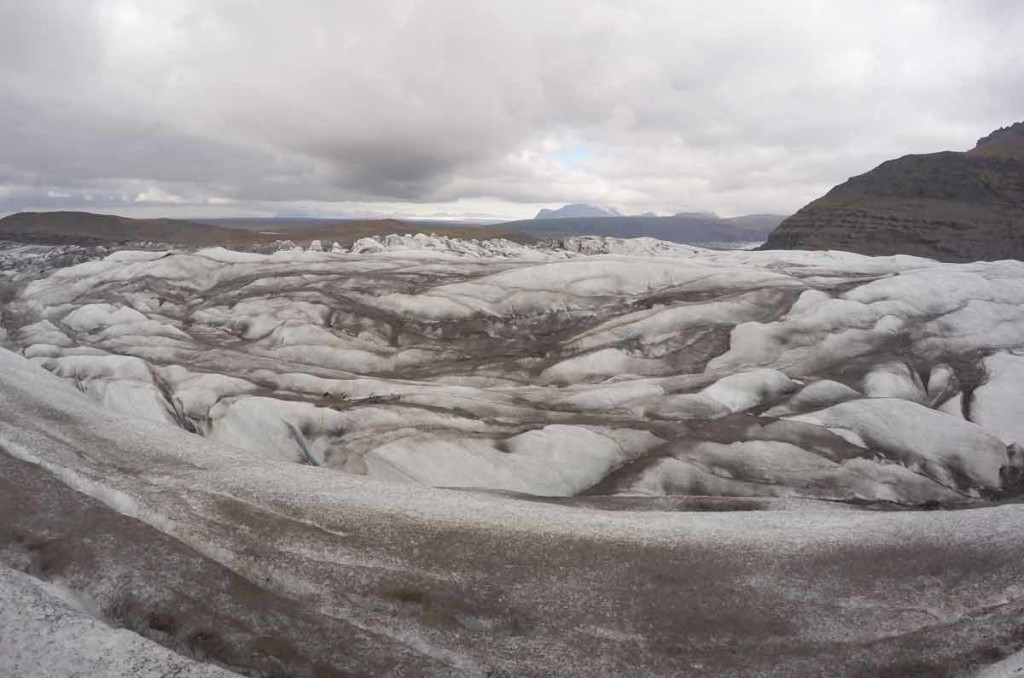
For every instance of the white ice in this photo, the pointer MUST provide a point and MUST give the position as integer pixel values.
(403, 343)
(45, 633)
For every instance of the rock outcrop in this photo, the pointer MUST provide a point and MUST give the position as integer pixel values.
(948, 206)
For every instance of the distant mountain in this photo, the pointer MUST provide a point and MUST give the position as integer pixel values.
(578, 210)
(949, 206)
(89, 228)
(679, 228)
(696, 215)
(756, 222)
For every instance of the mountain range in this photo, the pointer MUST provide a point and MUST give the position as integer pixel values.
(55, 228)
(685, 227)
(89, 228)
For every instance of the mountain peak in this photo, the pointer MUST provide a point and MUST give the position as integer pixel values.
(1005, 142)
(579, 209)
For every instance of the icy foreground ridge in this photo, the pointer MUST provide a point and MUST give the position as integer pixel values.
(275, 568)
(559, 373)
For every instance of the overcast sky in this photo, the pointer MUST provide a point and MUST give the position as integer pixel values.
(490, 108)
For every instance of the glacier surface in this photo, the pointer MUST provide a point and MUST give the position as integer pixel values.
(376, 431)
(452, 363)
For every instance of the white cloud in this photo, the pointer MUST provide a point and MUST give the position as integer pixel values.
(448, 105)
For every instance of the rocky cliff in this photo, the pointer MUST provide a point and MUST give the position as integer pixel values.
(948, 206)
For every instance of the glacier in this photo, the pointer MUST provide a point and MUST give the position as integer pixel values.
(584, 456)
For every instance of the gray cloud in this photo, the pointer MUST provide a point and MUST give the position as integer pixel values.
(453, 105)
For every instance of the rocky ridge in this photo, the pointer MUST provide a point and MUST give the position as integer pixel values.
(948, 206)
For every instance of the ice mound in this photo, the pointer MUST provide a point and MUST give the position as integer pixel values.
(497, 248)
(594, 244)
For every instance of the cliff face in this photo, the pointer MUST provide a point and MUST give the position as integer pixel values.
(948, 206)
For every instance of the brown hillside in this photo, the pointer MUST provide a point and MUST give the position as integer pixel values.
(948, 206)
(88, 228)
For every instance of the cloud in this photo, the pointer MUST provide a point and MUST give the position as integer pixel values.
(406, 105)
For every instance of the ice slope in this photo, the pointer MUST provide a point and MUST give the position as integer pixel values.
(1012, 666)
(413, 580)
(451, 363)
(47, 633)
